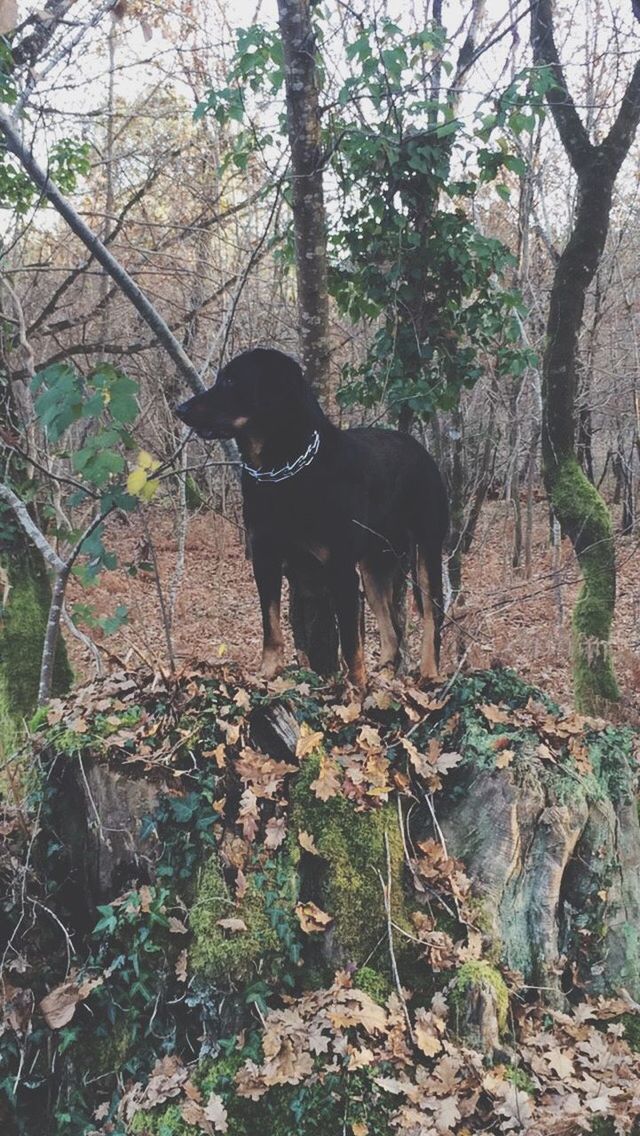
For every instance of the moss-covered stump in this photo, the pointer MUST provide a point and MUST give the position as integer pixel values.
(25, 596)
(265, 907)
(542, 810)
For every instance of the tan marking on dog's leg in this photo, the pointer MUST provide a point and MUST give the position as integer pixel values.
(356, 669)
(428, 665)
(273, 648)
(380, 598)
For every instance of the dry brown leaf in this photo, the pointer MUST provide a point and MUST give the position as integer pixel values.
(181, 966)
(276, 831)
(495, 714)
(308, 741)
(248, 814)
(347, 713)
(242, 699)
(146, 897)
(59, 1006)
(447, 1115)
(545, 754)
(560, 1062)
(426, 1035)
(447, 761)
(306, 841)
(327, 783)
(232, 924)
(8, 21)
(176, 926)
(216, 1112)
(312, 918)
(504, 758)
(359, 1128)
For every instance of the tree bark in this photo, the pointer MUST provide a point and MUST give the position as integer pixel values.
(311, 608)
(580, 509)
(309, 221)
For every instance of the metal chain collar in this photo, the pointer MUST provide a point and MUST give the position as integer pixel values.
(273, 476)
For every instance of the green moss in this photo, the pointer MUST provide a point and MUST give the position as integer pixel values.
(376, 985)
(481, 973)
(584, 516)
(353, 846)
(165, 1121)
(22, 628)
(518, 1076)
(631, 1023)
(230, 956)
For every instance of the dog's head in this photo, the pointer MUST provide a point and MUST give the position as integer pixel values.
(260, 391)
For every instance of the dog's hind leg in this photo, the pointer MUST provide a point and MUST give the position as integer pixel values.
(379, 590)
(346, 597)
(430, 585)
(267, 569)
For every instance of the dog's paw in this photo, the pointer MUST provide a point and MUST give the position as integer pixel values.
(271, 665)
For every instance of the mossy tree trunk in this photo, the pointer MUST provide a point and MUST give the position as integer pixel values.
(23, 624)
(580, 509)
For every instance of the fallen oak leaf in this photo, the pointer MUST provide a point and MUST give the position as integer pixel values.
(327, 783)
(495, 714)
(59, 1005)
(216, 1112)
(275, 832)
(447, 761)
(504, 758)
(306, 841)
(308, 741)
(312, 918)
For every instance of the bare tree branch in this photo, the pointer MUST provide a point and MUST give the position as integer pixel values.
(126, 284)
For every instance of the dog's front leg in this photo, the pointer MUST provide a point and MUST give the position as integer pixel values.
(345, 588)
(267, 569)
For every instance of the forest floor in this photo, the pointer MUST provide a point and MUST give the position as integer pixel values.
(503, 616)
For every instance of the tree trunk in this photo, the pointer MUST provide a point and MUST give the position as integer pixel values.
(576, 502)
(311, 609)
(23, 623)
(309, 221)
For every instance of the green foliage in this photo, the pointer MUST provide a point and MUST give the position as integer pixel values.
(106, 400)
(405, 254)
(68, 160)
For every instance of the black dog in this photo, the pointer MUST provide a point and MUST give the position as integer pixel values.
(362, 498)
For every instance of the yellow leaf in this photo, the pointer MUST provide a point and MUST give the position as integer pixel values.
(149, 489)
(136, 481)
(222, 650)
(145, 461)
